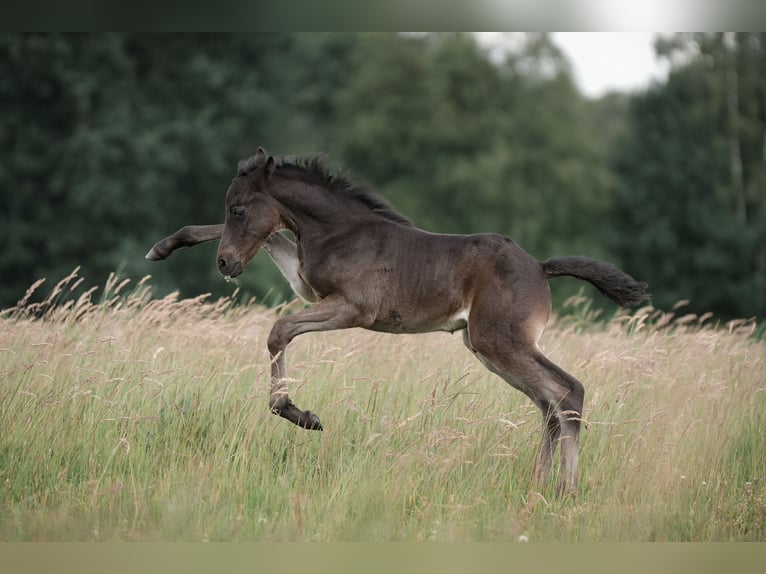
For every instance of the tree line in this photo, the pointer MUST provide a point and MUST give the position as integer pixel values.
(112, 141)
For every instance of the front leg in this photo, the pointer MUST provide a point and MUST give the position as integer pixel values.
(329, 314)
(282, 251)
(187, 236)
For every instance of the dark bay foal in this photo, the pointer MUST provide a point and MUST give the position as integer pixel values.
(362, 264)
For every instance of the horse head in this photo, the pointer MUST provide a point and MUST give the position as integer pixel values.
(252, 214)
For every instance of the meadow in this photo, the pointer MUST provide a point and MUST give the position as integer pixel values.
(124, 418)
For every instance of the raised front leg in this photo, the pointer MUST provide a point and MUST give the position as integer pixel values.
(282, 251)
(184, 237)
(327, 315)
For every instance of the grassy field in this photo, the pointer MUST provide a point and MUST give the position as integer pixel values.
(139, 419)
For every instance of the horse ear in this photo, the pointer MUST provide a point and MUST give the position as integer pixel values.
(267, 171)
(260, 153)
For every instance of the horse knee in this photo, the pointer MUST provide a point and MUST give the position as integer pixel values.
(278, 339)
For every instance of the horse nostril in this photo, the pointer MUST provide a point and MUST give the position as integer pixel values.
(221, 263)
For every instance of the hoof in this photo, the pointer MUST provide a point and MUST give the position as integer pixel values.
(154, 255)
(304, 419)
(311, 422)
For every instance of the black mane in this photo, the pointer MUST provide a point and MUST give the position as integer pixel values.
(245, 166)
(314, 170)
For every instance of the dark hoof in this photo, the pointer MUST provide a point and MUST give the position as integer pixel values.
(303, 419)
(153, 255)
(311, 422)
(156, 253)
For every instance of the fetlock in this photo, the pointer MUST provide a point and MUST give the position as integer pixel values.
(277, 403)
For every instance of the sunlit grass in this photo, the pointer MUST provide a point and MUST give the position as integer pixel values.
(140, 419)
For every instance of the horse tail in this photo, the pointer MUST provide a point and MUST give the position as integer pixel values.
(613, 283)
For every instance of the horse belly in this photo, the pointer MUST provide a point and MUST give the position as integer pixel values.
(395, 322)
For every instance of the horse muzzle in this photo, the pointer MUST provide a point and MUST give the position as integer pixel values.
(230, 266)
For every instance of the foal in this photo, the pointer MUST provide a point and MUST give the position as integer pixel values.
(362, 264)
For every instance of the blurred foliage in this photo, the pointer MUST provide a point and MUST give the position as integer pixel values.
(113, 141)
(689, 210)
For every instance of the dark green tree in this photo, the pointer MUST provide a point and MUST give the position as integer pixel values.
(690, 210)
(113, 141)
(465, 144)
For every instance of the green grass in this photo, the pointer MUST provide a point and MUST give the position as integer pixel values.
(139, 419)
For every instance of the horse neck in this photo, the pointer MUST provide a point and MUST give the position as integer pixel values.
(310, 209)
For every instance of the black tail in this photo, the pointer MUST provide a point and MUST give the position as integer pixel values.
(608, 279)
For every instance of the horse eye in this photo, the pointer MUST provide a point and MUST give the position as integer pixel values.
(237, 212)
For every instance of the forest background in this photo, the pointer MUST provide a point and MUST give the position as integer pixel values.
(111, 142)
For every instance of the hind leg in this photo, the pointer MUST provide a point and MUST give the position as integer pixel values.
(558, 395)
(551, 431)
(567, 414)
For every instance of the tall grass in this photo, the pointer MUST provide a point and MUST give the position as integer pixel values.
(138, 419)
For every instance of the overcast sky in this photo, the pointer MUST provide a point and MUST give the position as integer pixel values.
(601, 61)
(604, 61)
